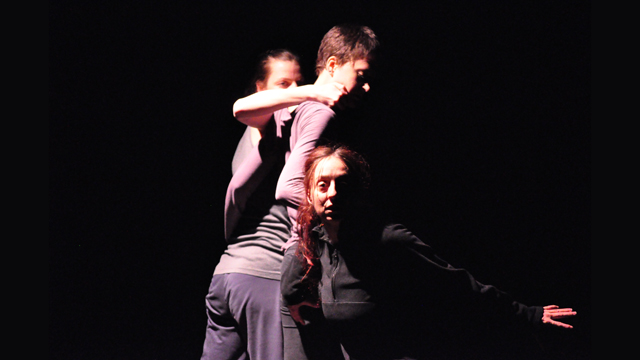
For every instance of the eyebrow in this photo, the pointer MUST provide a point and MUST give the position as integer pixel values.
(326, 177)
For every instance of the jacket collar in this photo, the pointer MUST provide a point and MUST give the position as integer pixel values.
(322, 233)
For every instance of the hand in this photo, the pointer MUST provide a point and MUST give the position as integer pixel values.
(329, 94)
(295, 311)
(552, 312)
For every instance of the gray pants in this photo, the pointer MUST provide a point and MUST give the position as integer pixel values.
(243, 322)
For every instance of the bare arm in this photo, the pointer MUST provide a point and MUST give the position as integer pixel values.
(256, 109)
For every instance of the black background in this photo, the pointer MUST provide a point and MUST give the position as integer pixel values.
(477, 128)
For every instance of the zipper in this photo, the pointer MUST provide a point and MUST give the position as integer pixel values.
(333, 274)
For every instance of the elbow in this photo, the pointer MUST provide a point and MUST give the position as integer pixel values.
(280, 192)
(284, 194)
(242, 112)
(248, 116)
(289, 195)
(238, 111)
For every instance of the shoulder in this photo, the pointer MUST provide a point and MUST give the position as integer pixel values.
(377, 234)
(313, 109)
(397, 234)
(396, 238)
(315, 106)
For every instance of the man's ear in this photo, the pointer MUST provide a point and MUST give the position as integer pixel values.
(331, 64)
(260, 85)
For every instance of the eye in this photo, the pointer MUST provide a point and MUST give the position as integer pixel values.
(322, 186)
(344, 186)
(363, 78)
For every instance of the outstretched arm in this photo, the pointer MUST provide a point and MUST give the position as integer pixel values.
(256, 109)
(459, 286)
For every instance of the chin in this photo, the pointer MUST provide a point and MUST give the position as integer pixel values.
(333, 218)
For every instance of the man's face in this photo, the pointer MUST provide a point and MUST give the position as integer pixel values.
(282, 75)
(331, 191)
(353, 75)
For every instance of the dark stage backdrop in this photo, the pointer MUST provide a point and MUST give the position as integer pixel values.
(477, 128)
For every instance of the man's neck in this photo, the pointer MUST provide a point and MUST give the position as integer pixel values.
(323, 78)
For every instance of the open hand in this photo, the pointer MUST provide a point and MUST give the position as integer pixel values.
(553, 312)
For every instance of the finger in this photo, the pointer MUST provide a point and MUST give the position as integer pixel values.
(342, 88)
(549, 307)
(313, 305)
(297, 318)
(562, 315)
(561, 324)
(561, 311)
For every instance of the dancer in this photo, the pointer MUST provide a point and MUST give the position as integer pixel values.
(243, 303)
(385, 293)
(276, 69)
(344, 65)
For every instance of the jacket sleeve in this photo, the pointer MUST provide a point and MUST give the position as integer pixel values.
(291, 287)
(457, 287)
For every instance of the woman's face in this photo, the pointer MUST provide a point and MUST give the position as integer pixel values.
(331, 191)
(282, 75)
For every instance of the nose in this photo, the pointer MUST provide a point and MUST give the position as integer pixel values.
(332, 192)
(293, 84)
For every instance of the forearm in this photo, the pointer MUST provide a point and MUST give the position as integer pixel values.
(256, 109)
(458, 286)
(507, 309)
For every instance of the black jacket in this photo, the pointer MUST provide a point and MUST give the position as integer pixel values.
(388, 295)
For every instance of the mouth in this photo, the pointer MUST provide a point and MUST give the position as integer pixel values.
(333, 211)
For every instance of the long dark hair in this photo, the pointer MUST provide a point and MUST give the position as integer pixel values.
(359, 175)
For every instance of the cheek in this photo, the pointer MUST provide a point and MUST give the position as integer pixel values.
(318, 200)
(348, 82)
(355, 86)
(345, 80)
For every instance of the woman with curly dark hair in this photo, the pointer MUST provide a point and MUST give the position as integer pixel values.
(382, 292)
